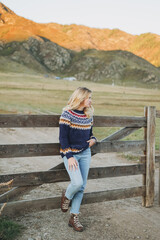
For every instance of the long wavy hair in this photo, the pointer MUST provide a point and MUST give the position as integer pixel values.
(77, 97)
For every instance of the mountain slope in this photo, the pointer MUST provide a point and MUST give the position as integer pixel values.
(43, 56)
(39, 55)
(117, 66)
(75, 37)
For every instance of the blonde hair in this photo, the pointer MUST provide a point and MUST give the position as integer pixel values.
(77, 97)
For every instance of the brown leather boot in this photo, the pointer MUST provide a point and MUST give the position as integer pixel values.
(64, 202)
(74, 222)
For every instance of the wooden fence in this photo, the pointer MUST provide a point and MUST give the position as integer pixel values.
(26, 181)
(157, 159)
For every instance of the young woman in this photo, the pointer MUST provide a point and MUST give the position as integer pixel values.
(76, 138)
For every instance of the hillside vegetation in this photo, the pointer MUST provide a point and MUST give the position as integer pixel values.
(116, 67)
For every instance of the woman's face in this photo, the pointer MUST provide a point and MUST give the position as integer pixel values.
(88, 101)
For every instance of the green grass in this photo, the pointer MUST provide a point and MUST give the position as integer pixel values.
(6, 64)
(22, 93)
(9, 229)
(129, 157)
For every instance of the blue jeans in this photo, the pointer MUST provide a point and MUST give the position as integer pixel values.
(78, 179)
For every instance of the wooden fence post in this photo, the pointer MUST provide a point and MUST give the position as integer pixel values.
(159, 182)
(143, 160)
(150, 156)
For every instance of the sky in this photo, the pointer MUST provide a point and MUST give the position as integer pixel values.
(132, 16)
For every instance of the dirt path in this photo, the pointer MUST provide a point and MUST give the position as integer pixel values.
(114, 220)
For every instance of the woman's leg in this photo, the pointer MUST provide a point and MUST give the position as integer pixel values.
(83, 159)
(76, 179)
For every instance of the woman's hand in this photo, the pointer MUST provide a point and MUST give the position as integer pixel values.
(72, 164)
(92, 141)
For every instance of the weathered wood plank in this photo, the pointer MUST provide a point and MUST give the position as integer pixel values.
(13, 193)
(118, 146)
(150, 156)
(144, 160)
(159, 183)
(157, 158)
(120, 134)
(50, 149)
(61, 175)
(59, 166)
(29, 150)
(158, 113)
(17, 120)
(24, 206)
(119, 121)
(17, 191)
(113, 195)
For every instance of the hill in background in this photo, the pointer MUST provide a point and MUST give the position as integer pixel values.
(43, 56)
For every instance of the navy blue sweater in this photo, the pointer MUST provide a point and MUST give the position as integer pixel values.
(75, 129)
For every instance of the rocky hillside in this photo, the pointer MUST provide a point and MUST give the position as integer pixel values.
(40, 55)
(43, 56)
(117, 67)
(77, 38)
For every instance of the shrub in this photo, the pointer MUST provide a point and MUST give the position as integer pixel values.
(7, 51)
(9, 229)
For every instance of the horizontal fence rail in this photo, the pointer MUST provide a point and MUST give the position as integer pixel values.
(51, 149)
(119, 121)
(120, 134)
(16, 191)
(14, 121)
(61, 175)
(158, 114)
(157, 158)
(118, 146)
(29, 150)
(25, 206)
(18, 120)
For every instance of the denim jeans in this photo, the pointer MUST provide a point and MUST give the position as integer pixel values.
(78, 179)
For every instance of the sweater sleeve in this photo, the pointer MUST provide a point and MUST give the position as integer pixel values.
(64, 126)
(91, 132)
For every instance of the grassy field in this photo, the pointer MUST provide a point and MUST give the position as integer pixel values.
(36, 94)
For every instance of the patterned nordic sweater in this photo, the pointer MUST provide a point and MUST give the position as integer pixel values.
(75, 129)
